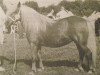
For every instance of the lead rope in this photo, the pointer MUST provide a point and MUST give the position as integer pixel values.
(15, 61)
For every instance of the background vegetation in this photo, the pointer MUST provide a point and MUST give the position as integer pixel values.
(78, 7)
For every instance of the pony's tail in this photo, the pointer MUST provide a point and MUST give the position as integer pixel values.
(91, 44)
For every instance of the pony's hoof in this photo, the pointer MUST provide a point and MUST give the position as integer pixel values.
(76, 69)
(90, 72)
(14, 72)
(2, 69)
(79, 69)
(31, 73)
(40, 69)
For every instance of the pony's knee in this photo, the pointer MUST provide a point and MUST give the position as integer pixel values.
(34, 52)
(89, 54)
(35, 56)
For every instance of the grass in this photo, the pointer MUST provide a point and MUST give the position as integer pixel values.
(57, 61)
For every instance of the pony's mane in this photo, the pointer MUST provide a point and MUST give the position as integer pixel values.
(35, 13)
(33, 19)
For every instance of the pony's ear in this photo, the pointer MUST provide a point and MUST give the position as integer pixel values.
(19, 4)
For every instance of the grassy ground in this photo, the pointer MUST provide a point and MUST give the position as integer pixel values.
(57, 61)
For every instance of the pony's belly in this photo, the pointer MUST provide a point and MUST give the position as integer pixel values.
(56, 43)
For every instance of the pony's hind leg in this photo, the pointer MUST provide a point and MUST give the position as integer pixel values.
(81, 57)
(85, 55)
(88, 58)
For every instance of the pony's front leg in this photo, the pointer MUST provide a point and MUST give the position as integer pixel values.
(34, 58)
(1, 62)
(41, 67)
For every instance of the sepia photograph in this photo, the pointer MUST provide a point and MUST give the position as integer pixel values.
(49, 37)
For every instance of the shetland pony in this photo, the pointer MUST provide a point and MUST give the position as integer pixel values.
(42, 31)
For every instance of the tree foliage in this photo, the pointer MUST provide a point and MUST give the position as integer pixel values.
(32, 4)
(78, 7)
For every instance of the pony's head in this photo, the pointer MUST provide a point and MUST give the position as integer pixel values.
(15, 16)
(16, 10)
